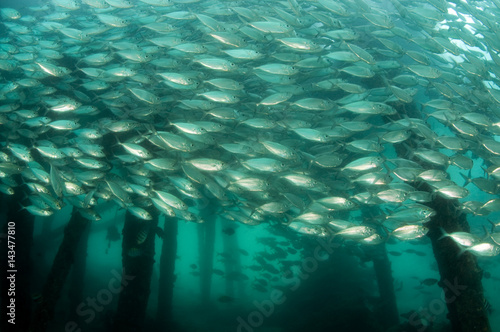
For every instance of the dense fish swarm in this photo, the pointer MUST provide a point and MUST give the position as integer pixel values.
(292, 112)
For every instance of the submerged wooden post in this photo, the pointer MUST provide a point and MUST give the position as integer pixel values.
(77, 281)
(460, 274)
(138, 260)
(388, 309)
(167, 275)
(61, 266)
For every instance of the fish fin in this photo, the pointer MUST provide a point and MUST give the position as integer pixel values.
(461, 251)
(151, 128)
(466, 179)
(387, 231)
(22, 207)
(485, 172)
(378, 220)
(410, 151)
(445, 234)
(88, 197)
(486, 232)
(493, 225)
(288, 219)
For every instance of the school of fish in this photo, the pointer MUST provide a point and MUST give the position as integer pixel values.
(297, 113)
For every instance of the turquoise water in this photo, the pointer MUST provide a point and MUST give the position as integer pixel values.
(283, 138)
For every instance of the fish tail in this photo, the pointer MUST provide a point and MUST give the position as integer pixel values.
(22, 207)
(493, 225)
(461, 251)
(466, 178)
(445, 234)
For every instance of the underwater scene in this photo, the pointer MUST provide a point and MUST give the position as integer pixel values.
(241, 166)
